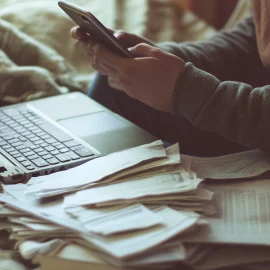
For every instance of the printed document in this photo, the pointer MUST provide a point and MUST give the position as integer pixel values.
(152, 186)
(248, 164)
(97, 169)
(243, 214)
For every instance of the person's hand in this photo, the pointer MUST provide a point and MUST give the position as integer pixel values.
(149, 77)
(85, 43)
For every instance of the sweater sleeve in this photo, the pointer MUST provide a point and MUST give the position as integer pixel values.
(224, 87)
(236, 111)
(228, 55)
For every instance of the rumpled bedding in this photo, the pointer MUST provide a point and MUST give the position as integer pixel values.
(38, 57)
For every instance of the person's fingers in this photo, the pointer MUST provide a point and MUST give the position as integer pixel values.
(110, 70)
(96, 65)
(86, 47)
(129, 40)
(78, 33)
(114, 84)
(73, 31)
(109, 58)
(143, 50)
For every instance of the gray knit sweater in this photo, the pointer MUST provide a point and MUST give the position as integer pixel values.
(224, 87)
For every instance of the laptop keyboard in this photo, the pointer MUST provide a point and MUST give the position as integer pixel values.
(36, 143)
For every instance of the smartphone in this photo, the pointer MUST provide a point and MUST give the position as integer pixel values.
(94, 27)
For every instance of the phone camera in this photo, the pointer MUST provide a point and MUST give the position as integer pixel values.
(85, 18)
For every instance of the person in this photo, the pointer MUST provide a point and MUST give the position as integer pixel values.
(212, 96)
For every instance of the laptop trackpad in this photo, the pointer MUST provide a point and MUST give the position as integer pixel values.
(101, 130)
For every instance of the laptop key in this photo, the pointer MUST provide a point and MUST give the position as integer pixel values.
(33, 146)
(26, 163)
(44, 136)
(17, 155)
(3, 143)
(43, 144)
(34, 138)
(29, 153)
(16, 144)
(30, 136)
(26, 133)
(49, 148)
(38, 150)
(24, 150)
(20, 159)
(55, 152)
(63, 150)
(40, 162)
(14, 152)
(20, 147)
(71, 143)
(47, 156)
(23, 139)
(77, 147)
(72, 155)
(30, 168)
(33, 157)
(53, 161)
(84, 152)
(43, 153)
(10, 138)
(7, 146)
(60, 146)
(51, 140)
(63, 157)
(38, 142)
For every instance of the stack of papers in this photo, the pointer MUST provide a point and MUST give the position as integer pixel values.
(147, 209)
(126, 207)
(239, 232)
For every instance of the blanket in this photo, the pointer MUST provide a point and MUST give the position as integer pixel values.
(37, 55)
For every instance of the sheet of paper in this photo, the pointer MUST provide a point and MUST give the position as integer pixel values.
(99, 168)
(30, 249)
(112, 221)
(38, 226)
(7, 212)
(239, 165)
(125, 246)
(46, 207)
(152, 186)
(171, 252)
(157, 166)
(151, 173)
(242, 214)
(52, 212)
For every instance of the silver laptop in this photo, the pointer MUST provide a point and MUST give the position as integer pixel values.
(53, 134)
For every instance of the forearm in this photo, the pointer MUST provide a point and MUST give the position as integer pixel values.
(236, 111)
(228, 55)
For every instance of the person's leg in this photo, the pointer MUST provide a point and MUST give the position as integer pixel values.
(163, 125)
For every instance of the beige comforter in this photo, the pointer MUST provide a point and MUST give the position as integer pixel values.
(37, 55)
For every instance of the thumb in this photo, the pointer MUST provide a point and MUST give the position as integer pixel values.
(142, 50)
